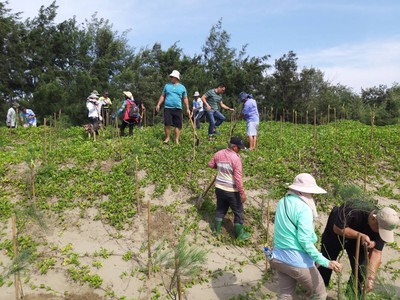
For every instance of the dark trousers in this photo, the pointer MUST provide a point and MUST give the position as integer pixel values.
(124, 124)
(229, 199)
(331, 246)
(95, 123)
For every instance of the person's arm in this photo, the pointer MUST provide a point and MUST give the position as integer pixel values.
(350, 233)
(212, 163)
(186, 101)
(204, 99)
(226, 107)
(160, 101)
(374, 263)
(305, 235)
(237, 176)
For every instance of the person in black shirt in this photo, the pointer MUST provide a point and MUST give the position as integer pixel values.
(344, 224)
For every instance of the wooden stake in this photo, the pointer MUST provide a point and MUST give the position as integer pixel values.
(356, 266)
(178, 279)
(44, 140)
(15, 248)
(307, 117)
(148, 240)
(267, 235)
(329, 112)
(315, 127)
(137, 186)
(281, 129)
(334, 115)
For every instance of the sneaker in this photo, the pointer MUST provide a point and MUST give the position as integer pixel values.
(210, 138)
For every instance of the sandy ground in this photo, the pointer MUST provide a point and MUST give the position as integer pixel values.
(88, 237)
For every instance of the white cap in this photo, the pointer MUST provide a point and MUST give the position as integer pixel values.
(175, 74)
(387, 221)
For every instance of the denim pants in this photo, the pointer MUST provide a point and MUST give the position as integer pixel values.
(197, 118)
(229, 199)
(215, 118)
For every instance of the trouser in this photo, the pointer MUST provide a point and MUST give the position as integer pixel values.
(289, 276)
(124, 124)
(199, 115)
(229, 199)
(331, 246)
(95, 122)
(215, 118)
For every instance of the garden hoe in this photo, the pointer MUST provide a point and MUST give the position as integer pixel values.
(194, 131)
(200, 200)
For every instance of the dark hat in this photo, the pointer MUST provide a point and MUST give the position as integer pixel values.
(243, 96)
(235, 140)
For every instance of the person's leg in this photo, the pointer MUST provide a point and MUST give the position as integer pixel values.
(211, 121)
(221, 209)
(219, 117)
(177, 135)
(167, 130)
(122, 129)
(312, 281)
(131, 129)
(199, 115)
(167, 124)
(236, 205)
(287, 284)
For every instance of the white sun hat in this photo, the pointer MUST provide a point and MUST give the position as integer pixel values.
(175, 74)
(128, 94)
(305, 183)
(196, 94)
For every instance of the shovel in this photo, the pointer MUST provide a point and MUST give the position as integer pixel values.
(200, 200)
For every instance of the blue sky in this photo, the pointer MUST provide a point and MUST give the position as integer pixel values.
(355, 43)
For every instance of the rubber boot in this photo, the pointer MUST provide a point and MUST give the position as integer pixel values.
(240, 234)
(217, 226)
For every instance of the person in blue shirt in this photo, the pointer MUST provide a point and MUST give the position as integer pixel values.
(294, 253)
(28, 116)
(251, 115)
(172, 95)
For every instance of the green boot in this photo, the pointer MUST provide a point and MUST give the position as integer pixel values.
(217, 226)
(240, 234)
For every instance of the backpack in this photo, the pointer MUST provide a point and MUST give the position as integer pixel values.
(132, 110)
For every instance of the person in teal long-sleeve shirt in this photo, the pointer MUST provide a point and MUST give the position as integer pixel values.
(294, 252)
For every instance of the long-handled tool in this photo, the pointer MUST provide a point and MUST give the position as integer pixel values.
(200, 200)
(194, 131)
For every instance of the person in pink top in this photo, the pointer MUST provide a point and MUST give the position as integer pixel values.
(229, 187)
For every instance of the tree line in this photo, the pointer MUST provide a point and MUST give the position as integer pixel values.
(51, 66)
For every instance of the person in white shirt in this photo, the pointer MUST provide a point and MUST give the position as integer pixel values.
(93, 111)
(11, 120)
(198, 110)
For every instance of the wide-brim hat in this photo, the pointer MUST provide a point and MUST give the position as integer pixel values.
(95, 92)
(235, 140)
(175, 74)
(128, 94)
(196, 94)
(387, 221)
(92, 97)
(15, 105)
(305, 183)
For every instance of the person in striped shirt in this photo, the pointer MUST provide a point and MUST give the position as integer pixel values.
(229, 187)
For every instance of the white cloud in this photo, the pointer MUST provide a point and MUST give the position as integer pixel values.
(359, 65)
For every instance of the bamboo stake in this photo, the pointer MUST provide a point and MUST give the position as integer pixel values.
(137, 186)
(148, 240)
(329, 112)
(356, 266)
(281, 129)
(307, 116)
(178, 279)
(267, 234)
(315, 127)
(44, 140)
(15, 248)
(334, 115)
(50, 131)
(371, 140)
(272, 113)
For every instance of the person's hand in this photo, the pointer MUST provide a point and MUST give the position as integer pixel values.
(232, 109)
(370, 283)
(157, 108)
(335, 266)
(243, 197)
(365, 240)
(208, 107)
(188, 112)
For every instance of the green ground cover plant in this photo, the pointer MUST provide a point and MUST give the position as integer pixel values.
(80, 174)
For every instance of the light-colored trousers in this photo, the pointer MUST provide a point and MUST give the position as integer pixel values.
(289, 276)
